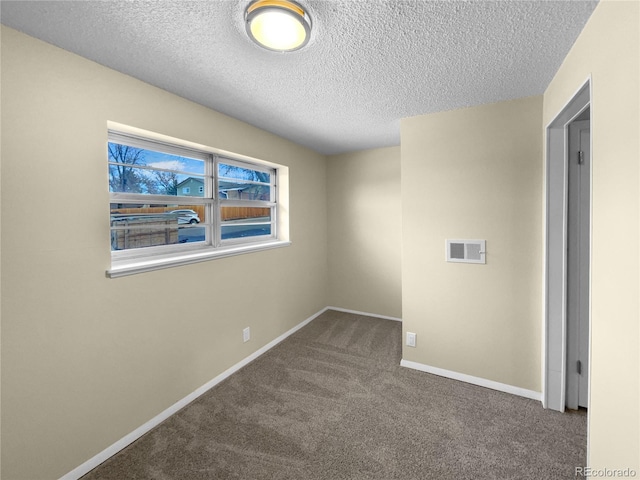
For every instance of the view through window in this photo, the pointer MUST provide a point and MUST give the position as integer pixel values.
(166, 198)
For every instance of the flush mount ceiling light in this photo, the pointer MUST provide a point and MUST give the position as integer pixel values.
(278, 25)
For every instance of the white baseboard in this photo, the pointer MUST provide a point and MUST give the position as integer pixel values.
(345, 310)
(96, 460)
(482, 382)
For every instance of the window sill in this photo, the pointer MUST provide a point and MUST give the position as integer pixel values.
(122, 268)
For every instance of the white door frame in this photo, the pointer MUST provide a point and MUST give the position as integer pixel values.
(555, 248)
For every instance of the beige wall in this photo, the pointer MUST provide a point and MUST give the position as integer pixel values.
(474, 173)
(363, 198)
(608, 50)
(85, 359)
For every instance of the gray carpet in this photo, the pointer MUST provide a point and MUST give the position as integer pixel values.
(331, 402)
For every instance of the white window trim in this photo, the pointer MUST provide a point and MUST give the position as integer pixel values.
(122, 268)
(146, 259)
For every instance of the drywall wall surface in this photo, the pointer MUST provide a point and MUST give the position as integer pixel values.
(363, 202)
(608, 51)
(87, 359)
(474, 173)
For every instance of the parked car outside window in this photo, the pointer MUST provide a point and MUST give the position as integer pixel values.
(186, 216)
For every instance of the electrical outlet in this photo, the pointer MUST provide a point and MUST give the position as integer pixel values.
(411, 339)
(246, 334)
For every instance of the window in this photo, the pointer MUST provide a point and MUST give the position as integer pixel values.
(156, 220)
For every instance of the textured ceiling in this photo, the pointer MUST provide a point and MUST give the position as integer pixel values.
(369, 62)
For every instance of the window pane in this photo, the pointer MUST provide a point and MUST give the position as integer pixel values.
(190, 234)
(138, 226)
(241, 231)
(136, 170)
(125, 179)
(239, 173)
(183, 214)
(243, 191)
(238, 222)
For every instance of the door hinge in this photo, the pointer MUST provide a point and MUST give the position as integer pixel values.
(580, 157)
(579, 365)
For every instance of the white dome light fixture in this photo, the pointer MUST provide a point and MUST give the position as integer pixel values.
(278, 25)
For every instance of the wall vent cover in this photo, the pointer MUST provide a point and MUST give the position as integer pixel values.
(466, 251)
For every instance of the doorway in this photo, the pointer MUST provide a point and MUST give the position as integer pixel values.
(567, 256)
